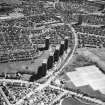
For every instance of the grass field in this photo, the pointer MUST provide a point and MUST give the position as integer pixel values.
(99, 52)
(72, 101)
(86, 89)
(19, 66)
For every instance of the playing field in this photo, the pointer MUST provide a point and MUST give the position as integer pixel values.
(72, 101)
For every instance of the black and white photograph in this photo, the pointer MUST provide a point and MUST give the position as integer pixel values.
(52, 52)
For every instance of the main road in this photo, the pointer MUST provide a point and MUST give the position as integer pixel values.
(66, 61)
(64, 64)
(58, 70)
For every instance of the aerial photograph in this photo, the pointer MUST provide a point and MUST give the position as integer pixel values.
(52, 52)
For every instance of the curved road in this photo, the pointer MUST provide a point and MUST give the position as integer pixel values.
(56, 73)
(68, 58)
(58, 70)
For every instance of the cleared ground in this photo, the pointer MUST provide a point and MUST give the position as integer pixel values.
(79, 61)
(72, 101)
(99, 52)
(19, 66)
